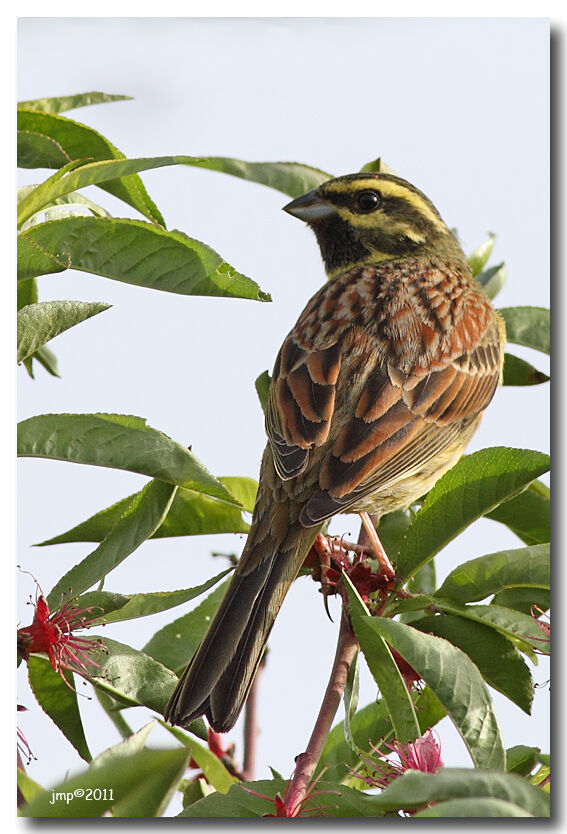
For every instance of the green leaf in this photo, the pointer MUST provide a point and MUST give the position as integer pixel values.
(27, 292)
(50, 141)
(389, 679)
(125, 748)
(112, 173)
(194, 790)
(414, 790)
(262, 385)
(46, 359)
(351, 701)
(74, 204)
(60, 104)
(470, 808)
(498, 661)
(120, 442)
(190, 514)
(527, 514)
(59, 701)
(492, 280)
(292, 178)
(132, 677)
(528, 326)
(454, 679)
(542, 778)
(478, 258)
(238, 802)
(114, 711)
(473, 487)
(255, 799)
(520, 628)
(424, 582)
(38, 150)
(384, 669)
(376, 166)
(196, 727)
(102, 603)
(175, 644)
(38, 323)
(213, 769)
(137, 786)
(523, 599)
(144, 605)
(28, 788)
(372, 725)
(521, 759)
(242, 488)
(133, 252)
(479, 578)
(136, 525)
(393, 527)
(519, 372)
(34, 260)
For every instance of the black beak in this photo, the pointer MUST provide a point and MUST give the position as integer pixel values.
(310, 207)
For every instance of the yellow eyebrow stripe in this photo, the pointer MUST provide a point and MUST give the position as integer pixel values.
(347, 185)
(391, 189)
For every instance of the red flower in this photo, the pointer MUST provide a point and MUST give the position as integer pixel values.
(423, 754)
(407, 672)
(366, 581)
(329, 558)
(289, 805)
(225, 756)
(52, 634)
(215, 745)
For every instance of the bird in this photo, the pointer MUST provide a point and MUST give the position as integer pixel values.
(374, 395)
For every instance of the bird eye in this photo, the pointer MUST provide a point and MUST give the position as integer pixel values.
(367, 201)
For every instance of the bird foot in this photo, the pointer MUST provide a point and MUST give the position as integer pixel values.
(329, 559)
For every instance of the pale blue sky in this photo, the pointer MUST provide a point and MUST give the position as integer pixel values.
(460, 107)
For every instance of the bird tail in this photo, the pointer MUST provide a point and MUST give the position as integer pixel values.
(218, 678)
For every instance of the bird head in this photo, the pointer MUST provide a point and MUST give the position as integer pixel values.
(367, 218)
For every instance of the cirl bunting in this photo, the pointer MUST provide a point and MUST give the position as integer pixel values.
(375, 393)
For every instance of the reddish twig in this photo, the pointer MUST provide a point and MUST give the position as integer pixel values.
(251, 727)
(385, 564)
(307, 762)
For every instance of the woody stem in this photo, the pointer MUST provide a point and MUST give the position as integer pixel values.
(251, 728)
(307, 762)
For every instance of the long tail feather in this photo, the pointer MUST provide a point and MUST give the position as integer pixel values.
(218, 678)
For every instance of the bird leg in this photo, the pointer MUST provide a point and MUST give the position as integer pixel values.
(386, 568)
(319, 559)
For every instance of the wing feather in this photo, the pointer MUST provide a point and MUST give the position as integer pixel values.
(301, 403)
(398, 407)
(399, 425)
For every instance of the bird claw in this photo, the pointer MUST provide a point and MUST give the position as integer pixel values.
(329, 560)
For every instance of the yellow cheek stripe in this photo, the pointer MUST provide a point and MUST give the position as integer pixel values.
(379, 219)
(388, 189)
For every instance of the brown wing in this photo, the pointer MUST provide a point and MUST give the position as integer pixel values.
(403, 420)
(301, 403)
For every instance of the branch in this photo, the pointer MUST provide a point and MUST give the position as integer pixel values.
(251, 727)
(307, 762)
